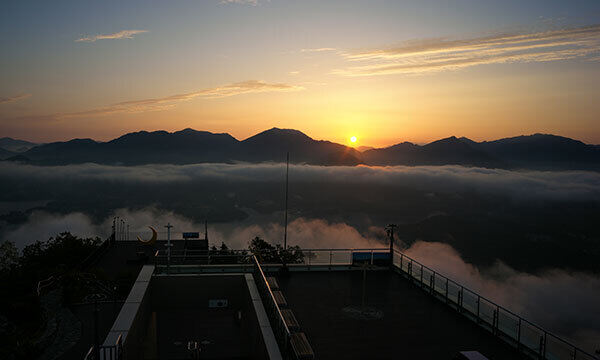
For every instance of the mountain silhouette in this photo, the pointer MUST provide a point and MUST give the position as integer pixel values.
(5, 154)
(544, 152)
(271, 145)
(449, 151)
(190, 146)
(15, 145)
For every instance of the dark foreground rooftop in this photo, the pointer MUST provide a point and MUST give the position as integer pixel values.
(401, 320)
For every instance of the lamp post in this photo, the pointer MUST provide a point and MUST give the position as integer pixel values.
(390, 232)
(287, 172)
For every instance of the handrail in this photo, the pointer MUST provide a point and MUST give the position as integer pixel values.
(264, 279)
(431, 284)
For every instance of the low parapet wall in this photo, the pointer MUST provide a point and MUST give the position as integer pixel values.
(218, 313)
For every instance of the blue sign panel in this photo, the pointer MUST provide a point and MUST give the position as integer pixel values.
(191, 235)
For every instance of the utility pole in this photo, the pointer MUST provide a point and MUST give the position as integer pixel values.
(116, 221)
(390, 231)
(114, 235)
(206, 231)
(168, 226)
(287, 172)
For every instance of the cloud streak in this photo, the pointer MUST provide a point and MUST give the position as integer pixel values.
(518, 185)
(123, 34)
(436, 55)
(169, 102)
(241, 2)
(323, 49)
(15, 98)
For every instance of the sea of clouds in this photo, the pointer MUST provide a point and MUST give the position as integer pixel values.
(564, 302)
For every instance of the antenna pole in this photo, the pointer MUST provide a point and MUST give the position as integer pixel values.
(390, 230)
(168, 226)
(287, 172)
(206, 231)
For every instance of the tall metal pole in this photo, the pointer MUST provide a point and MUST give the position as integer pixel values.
(114, 235)
(390, 229)
(287, 172)
(127, 237)
(116, 228)
(206, 231)
(169, 226)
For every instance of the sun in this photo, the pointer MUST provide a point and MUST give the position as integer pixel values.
(353, 139)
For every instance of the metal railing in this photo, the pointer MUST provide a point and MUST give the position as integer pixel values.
(280, 328)
(515, 330)
(309, 257)
(104, 352)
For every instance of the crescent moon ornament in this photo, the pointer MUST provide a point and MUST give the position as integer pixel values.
(152, 240)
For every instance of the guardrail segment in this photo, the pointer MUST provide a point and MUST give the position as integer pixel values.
(506, 325)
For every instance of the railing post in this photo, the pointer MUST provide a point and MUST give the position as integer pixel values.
(545, 342)
(432, 283)
(401, 258)
(519, 335)
(478, 302)
(446, 290)
(495, 321)
(330, 255)
(421, 275)
(372, 258)
(460, 298)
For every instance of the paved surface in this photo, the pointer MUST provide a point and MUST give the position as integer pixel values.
(402, 322)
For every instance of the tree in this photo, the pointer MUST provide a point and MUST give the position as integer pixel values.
(268, 253)
(9, 255)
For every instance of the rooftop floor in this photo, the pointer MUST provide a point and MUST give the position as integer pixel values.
(403, 322)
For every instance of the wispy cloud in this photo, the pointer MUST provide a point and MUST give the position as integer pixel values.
(324, 49)
(434, 55)
(11, 99)
(167, 102)
(124, 34)
(243, 2)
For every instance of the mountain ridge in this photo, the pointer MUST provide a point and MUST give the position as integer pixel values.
(535, 151)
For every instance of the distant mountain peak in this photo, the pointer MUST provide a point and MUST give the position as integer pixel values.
(277, 133)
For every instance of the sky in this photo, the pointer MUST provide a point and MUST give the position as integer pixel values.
(383, 71)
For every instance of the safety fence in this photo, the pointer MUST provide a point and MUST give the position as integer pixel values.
(104, 352)
(280, 329)
(515, 330)
(308, 257)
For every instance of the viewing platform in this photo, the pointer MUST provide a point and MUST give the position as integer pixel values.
(326, 304)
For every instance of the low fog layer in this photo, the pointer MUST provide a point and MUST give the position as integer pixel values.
(531, 220)
(517, 184)
(308, 233)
